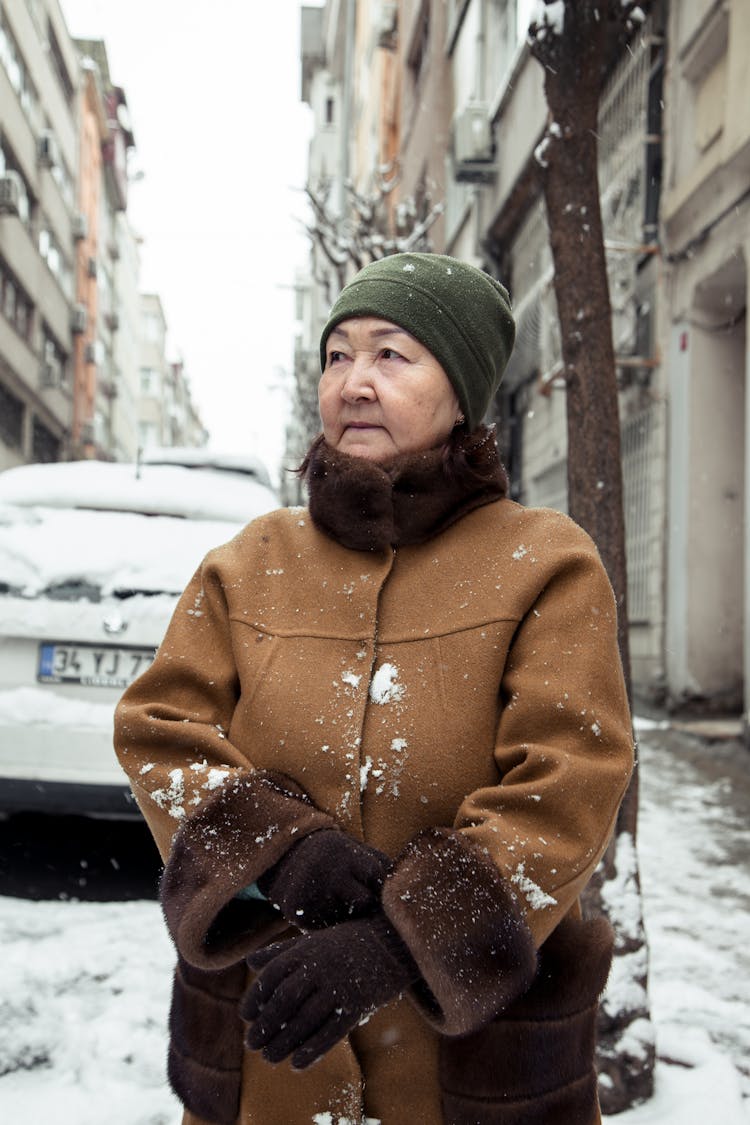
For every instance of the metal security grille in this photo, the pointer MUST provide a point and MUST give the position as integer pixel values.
(623, 137)
(623, 120)
(532, 257)
(534, 304)
(636, 438)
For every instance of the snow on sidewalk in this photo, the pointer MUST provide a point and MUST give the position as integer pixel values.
(84, 995)
(84, 987)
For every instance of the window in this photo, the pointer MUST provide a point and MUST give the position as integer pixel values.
(330, 107)
(58, 63)
(15, 304)
(153, 328)
(44, 445)
(149, 382)
(420, 44)
(710, 104)
(700, 108)
(12, 61)
(9, 300)
(8, 163)
(51, 252)
(499, 45)
(62, 177)
(11, 418)
(637, 472)
(54, 361)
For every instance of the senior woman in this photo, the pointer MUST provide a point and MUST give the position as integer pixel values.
(381, 750)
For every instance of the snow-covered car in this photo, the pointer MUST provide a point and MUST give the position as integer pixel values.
(93, 556)
(200, 458)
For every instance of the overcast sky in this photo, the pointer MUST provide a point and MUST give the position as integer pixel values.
(221, 137)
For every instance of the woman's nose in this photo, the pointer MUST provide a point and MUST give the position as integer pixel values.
(358, 383)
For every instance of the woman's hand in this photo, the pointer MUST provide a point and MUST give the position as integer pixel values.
(327, 877)
(313, 989)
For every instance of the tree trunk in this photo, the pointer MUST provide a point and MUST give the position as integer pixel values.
(574, 58)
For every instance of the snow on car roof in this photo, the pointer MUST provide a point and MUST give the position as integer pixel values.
(47, 549)
(97, 524)
(200, 458)
(172, 490)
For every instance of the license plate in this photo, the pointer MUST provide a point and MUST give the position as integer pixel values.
(92, 665)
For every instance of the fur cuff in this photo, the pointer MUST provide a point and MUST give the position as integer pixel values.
(205, 1049)
(534, 1064)
(219, 850)
(461, 923)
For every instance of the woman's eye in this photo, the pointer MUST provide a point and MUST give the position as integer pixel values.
(390, 353)
(334, 357)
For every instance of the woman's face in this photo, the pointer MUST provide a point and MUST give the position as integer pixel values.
(382, 392)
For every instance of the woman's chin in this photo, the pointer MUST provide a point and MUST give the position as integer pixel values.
(371, 445)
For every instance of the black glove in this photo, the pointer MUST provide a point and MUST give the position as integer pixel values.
(314, 988)
(326, 877)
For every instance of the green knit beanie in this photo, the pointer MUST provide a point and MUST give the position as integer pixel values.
(461, 314)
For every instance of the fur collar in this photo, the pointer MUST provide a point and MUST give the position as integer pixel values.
(369, 507)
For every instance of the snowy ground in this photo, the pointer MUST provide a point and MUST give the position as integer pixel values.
(84, 986)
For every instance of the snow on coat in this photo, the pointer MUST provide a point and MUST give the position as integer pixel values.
(457, 703)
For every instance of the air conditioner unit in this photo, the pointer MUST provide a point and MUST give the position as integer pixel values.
(91, 267)
(47, 150)
(473, 144)
(79, 319)
(80, 226)
(11, 192)
(87, 433)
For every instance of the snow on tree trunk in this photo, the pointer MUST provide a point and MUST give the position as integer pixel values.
(573, 40)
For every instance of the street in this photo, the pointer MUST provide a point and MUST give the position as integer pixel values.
(69, 857)
(85, 973)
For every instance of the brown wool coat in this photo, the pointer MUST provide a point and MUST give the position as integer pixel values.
(455, 701)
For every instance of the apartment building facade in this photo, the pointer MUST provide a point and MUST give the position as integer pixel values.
(70, 306)
(167, 415)
(38, 172)
(673, 172)
(105, 362)
(705, 222)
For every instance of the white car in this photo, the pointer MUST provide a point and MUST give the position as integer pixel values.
(93, 556)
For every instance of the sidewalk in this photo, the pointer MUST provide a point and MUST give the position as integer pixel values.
(694, 849)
